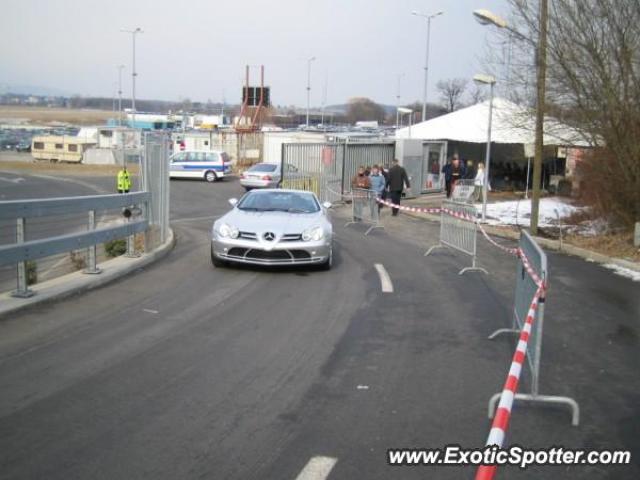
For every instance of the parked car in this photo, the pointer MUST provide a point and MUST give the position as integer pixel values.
(23, 147)
(274, 227)
(207, 165)
(264, 175)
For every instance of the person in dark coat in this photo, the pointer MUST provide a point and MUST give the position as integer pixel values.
(396, 181)
(453, 172)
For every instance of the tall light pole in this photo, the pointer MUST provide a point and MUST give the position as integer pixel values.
(426, 62)
(491, 81)
(485, 17)
(120, 67)
(133, 33)
(400, 75)
(309, 86)
(406, 111)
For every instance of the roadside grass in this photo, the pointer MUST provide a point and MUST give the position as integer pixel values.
(45, 115)
(38, 166)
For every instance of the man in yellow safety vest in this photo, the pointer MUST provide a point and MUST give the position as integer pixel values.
(124, 180)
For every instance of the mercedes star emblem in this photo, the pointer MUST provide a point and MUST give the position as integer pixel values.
(269, 236)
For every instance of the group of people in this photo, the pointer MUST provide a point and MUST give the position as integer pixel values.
(457, 170)
(382, 184)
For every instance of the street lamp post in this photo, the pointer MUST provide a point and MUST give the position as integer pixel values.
(406, 111)
(134, 74)
(120, 67)
(485, 17)
(400, 75)
(309, 86)
(491, 81)
(426, 62)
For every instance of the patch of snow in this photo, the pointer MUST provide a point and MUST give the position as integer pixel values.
(625, 272)
(518, 212)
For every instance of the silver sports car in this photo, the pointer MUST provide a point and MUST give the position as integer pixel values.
(274, 227)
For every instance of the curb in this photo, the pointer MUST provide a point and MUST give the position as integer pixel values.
(549, 244)
(77, 282)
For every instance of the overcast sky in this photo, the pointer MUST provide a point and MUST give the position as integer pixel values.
(198, 49)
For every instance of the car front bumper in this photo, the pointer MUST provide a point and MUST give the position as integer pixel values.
(254, 252)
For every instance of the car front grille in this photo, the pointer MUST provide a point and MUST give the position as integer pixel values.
(291, 237)
(268, 256)
(248, 235)
(287, 237)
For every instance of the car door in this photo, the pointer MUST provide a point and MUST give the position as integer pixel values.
(194, 164)
(176, 167)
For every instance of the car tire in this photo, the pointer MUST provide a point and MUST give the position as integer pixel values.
(216, 262)
(248, 189)
(210, 176)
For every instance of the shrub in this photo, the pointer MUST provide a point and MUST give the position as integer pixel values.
(32, 272)
(115, 248)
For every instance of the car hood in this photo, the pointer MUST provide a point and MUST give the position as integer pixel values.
(276, 222)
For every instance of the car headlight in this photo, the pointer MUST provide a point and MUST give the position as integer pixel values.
(313, 233)
(227, 231)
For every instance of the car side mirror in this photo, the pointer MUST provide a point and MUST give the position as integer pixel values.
(233, 201)
(327, 205)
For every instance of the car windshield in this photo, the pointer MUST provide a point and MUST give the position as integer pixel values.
(292, 202)
(263, 167)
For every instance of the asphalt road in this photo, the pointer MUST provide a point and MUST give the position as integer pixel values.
(186, 371)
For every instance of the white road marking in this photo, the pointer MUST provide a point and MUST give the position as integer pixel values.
(148, 310)
(318, 468)
(12, 180)
(363, 387)
(385, 279)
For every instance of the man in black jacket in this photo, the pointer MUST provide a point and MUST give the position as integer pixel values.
(396, 181)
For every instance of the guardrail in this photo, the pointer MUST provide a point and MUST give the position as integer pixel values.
(23, 250)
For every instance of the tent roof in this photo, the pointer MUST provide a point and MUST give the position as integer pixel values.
(511, 123)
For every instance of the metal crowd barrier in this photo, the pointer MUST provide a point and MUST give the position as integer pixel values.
(458, 231)
(365, 209)
(526, 288)
(463, 191)
(24, 250)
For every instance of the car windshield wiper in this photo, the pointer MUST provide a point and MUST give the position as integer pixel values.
(298, 210)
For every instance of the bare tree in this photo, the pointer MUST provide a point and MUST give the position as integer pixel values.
(477, 95)
(451, 92)
(593, 83)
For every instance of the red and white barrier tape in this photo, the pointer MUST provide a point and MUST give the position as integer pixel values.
(409, 209)
(503, 412)
(462, 216)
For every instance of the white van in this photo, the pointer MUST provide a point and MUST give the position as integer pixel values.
(204, 164)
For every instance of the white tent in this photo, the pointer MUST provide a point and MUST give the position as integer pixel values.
(511, 124)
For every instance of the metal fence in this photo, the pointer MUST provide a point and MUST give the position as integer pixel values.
(526, 288)
(458, 231)
(365, 209)
(155, 180)
(327, 168)
(464, 191)
(47, 237)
